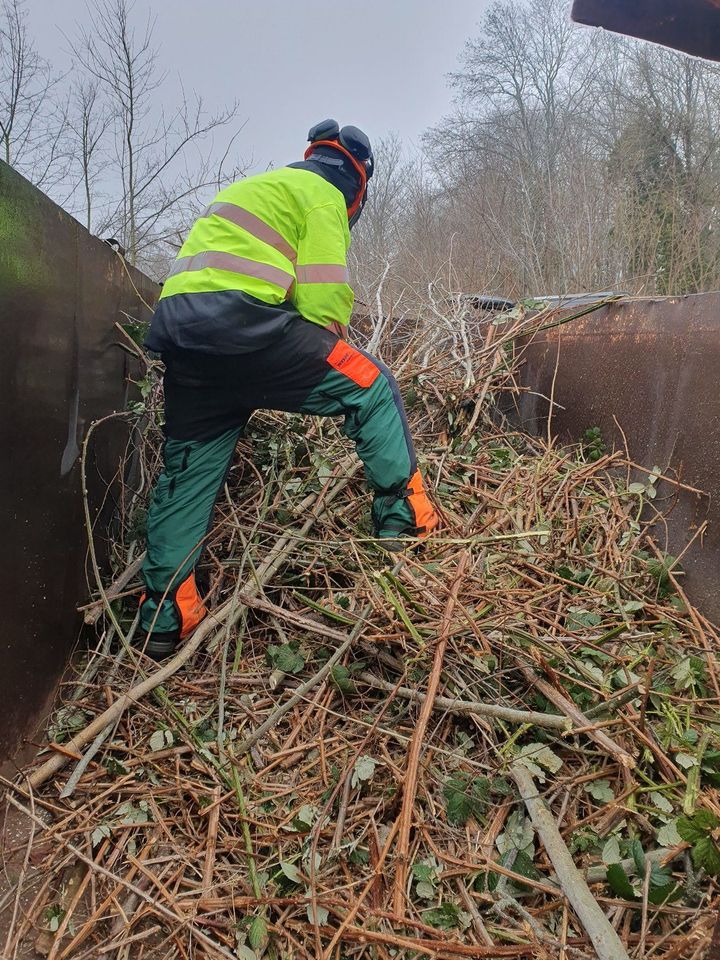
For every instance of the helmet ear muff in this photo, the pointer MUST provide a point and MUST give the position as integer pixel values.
(325, 130)
(357, 143)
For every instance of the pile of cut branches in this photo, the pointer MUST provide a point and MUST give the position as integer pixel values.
(503, 744)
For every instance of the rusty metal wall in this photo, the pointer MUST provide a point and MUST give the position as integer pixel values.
(689, 25)
(61, 291)
(650, 365)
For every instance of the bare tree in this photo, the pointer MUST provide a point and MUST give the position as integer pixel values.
(87, 125)
(158, 159)
(32, 120)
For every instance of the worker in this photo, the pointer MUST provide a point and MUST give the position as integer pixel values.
(254, 314)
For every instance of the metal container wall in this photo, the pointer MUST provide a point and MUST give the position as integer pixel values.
(689, 25)
(61, 292)
(647, 368)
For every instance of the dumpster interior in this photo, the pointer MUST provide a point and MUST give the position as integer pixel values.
(345, 757)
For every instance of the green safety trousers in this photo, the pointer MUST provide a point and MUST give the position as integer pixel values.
(208, 400)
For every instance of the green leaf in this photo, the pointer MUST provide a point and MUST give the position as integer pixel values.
(340, 677)
(706, 854)
(286, 658)
(638, 855)
(636, 487)
(363, 770)
(115, 768)
(501, 787)
(633, 606)
(99, 834)
(305, 817)
(446, 917)
(537, 755)
(319, 915)
(664, 894)
(611, 851)
(161, 739)
(600, 790)
(131, 814)
(699, 825)
(258, 934)
(517, 836)
(619, 882)
(245, 953)
(290, 871)
(424, 872)
(661, 802)
(465, 797)
(668, 835)
(523, 864)
(426, 891)
(360, 856)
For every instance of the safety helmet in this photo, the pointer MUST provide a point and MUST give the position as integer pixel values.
(355, 145)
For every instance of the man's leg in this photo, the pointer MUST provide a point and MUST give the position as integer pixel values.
(310, 370)
(363, 389)
(203, 423)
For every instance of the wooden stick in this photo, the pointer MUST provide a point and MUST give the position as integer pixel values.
(603, 937)
(281, 549)
(160, 908)
(416, 744)
(578, 717)
(477, 707)
(213, 822)
(94, 610)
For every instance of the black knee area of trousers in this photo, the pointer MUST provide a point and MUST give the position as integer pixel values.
(207, 394)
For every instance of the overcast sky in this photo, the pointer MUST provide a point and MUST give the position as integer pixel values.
(380, 64)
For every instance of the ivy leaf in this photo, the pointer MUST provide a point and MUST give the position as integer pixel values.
(619, 882)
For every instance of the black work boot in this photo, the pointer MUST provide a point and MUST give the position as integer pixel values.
(158, 646)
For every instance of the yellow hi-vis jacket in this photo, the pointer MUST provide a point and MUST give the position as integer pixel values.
(267, 248)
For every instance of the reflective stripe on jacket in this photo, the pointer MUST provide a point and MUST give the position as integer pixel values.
(280, 237)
